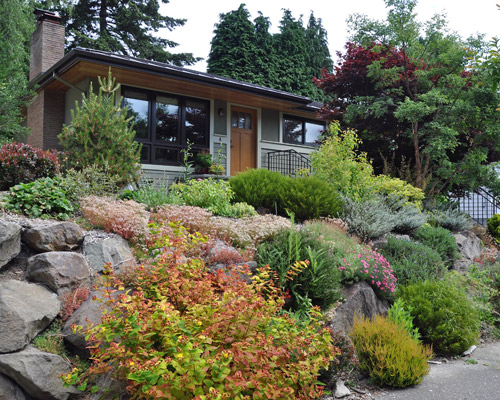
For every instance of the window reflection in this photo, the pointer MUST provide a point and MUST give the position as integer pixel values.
(167, 119)
(299, 131)
(196, 122)
(313, 133)
(138, 110)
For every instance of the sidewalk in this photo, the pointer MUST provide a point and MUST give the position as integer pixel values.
(457, 380)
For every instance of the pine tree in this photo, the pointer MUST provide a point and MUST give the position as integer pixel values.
(120, 26)
(101, 133)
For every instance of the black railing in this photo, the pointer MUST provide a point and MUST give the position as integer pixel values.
(287, 162)
(480, 205)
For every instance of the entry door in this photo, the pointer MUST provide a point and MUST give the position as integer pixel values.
(243, 139)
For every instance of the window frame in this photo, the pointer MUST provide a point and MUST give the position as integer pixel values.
(152, 142)
(303, 122)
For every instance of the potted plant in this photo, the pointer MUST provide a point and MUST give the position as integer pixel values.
(203, 162)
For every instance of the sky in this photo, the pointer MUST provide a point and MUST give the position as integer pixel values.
(465, 17)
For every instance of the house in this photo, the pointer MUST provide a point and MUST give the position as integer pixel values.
(250, 126)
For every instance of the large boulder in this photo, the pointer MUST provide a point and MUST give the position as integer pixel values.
(66, 236)
(469, 246)
(114, 250)
(25, 310)
(60, 271)
(10, 390)
(10, 241)
(361, 300)
(37, 372)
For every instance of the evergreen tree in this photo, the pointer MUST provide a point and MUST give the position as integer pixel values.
(16, 25)
(120, 26)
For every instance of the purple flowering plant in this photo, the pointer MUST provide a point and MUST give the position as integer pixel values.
(365, 264)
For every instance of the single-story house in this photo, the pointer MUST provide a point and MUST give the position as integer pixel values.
(250, 126)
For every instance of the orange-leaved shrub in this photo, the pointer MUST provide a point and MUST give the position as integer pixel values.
(389, 354)
(126, 218)
(186, 333)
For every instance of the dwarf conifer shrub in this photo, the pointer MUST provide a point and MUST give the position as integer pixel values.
(101, 133)
(22, 163)
(186, 333)
(412, 262)
(441, 240)
(449, 216)
(443, 314)
(388, 353)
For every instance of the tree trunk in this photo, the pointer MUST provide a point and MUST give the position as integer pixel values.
(418, 161)
(103, 16)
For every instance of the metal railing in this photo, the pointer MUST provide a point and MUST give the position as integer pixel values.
(287, 161)
(480, 205)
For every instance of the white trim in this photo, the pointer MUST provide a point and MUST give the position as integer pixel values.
(259, 137)
(280, 128)
(286, 146)
(211, 128)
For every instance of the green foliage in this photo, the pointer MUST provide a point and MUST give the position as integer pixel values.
(22, 163)
(400, 315)
(120, 27)
(408, 216)
(240, 210)
(443, 314)
(153, 195)
(332, 232)
(449, 216)
(319, 283)
(16, 25)
(494, 226)
(388, 186)
(368, 219)
(257, 187)
(413, 262)
(388, 353)
(345, 362)
(101, 134)
(51, 339)
(43, 198)
(441, 240)
(91, 180)
(338, 163)
(213, 194)
(186, 333)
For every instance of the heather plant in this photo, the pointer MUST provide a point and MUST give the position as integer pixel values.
(72, 300)
(186, 333)
(332, 231)
(412, 262)
(43, 198)
(22, 163)
(128, 219)
(368, 219)
(443, 314)
(441, 240)
(101, 133)
(448, 216)
(388, 353)
(240, 210)
(365, 264)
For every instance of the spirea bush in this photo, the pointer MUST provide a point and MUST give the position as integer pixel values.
(441, 240)
(365, 264)
(413, 262)
(22, 163)
(443, 314)
(186, 333)
(388, 353)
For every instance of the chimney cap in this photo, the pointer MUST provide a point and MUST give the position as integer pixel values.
(44, 15)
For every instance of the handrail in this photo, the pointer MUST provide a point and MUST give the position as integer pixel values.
(287, 161)
(480, 205)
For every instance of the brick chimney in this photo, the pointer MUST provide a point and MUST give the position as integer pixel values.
(45, 114)
(47, 42)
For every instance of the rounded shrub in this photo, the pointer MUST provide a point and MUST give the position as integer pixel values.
(411, 261)
(441, 240)
(22, 163)
(494, 226)
(388, 353)
(443, 314)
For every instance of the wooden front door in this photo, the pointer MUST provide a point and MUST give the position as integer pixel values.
(243, 139)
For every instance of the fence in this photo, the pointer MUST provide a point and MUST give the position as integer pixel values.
(287, 162)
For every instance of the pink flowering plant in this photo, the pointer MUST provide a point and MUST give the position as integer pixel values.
(365, 264)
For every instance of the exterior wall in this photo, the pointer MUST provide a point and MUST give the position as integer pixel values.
(220, 122)
(270, 125)
(72, 96)
(47, 47)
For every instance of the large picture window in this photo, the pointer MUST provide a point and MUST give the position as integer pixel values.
(164, 123)
(297, 130)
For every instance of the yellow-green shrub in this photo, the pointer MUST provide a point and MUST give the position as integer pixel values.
(388, 186)
(388, 352)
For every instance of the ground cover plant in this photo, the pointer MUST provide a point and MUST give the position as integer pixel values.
(187, 333)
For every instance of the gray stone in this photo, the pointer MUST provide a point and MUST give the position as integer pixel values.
(25, 310)
(341, 389)
(469, 245)
(361, 300)
(10, 390)
(60, 271)
(10, 241)
(66, 236)
(114, 250)
(37, 372)
(110, 388)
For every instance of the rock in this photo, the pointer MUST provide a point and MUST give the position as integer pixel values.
(65, 236)
(469, 246)
(10, 390)
(60, 271)
(361, 300)
(110, 388)
(26, 309)
(37, 372)
(341, 389)
(114, 250)
(10, 241)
